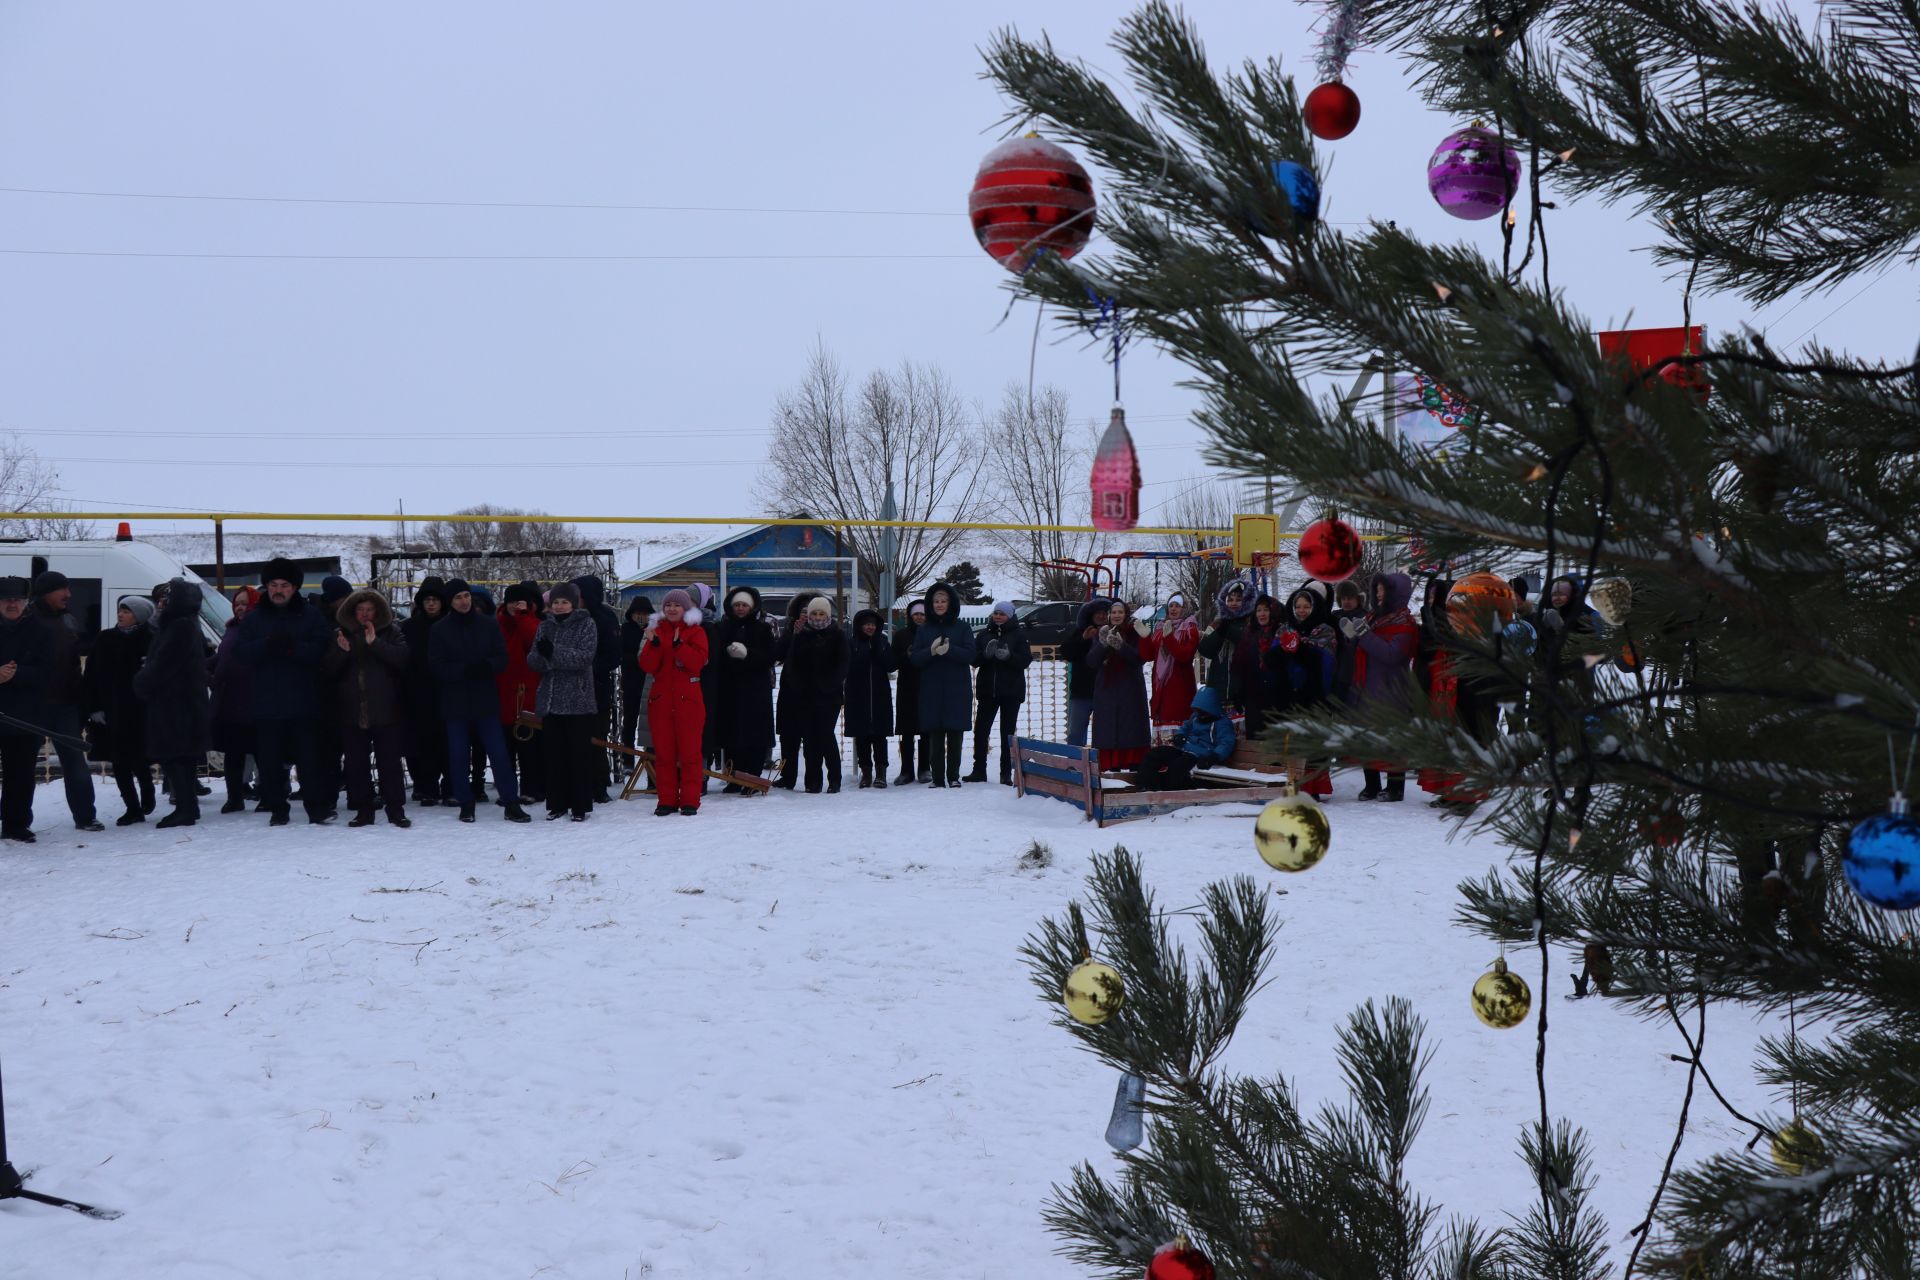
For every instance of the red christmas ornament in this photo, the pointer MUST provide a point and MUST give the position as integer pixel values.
(1665, 826)
(1030, 195)
(1179, 1260)
(1116, 477)
(1330, 550)
(1332, 111)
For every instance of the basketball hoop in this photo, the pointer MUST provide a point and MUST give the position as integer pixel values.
(1267, 559)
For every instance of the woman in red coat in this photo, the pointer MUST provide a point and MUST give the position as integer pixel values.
(1168, 650)
(519, 686)
(674, 654)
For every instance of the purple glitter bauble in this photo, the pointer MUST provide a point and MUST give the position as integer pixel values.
(1473, 174)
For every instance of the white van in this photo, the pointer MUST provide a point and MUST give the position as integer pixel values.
(101, 572)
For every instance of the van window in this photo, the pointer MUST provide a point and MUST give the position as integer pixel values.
(85, 605)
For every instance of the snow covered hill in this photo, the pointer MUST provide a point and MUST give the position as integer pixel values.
(790, 1037)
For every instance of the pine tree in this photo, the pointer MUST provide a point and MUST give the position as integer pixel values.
(964, 578)
(1678, 828)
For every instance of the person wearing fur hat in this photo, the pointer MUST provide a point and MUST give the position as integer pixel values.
(1076, 652)
(426, 730)
(741, 674)
(675, 654)
(367, 663)
(943, 650)
(26, 654)
(869, 697)
(61, 706)
(116, 715)
(173, 682)
(1001, 652)
(565, 652)
(1385, 642)
(467, 653)
(1169, 650)
(519, 685)
(231, 708)
(816, 668)
(906, 707)
(285, 638)
(788, 718)
(633, 681)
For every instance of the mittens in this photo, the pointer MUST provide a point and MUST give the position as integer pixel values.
(939, 647)
(999, 651)
(1142, 628)
(1290, 641)
(1110, 637)
(545, 646)
(736, 650)
(1354, 628)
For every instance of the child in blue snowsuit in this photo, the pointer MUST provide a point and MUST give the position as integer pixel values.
(1205, 738)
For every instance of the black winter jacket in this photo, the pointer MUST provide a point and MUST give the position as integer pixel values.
(467, 652)
(27, 643)
(1002, 681)
(816, 670)
(107, 688)
(869, 692)
(369, 680)
(741, 720)
(174, 679)
(285, 645)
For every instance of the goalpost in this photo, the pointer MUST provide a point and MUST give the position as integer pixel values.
(779, 579)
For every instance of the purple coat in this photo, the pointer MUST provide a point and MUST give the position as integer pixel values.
(1120, 718)
(232, 680)
(1383, 656)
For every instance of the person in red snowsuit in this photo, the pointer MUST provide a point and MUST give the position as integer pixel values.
(674, 653)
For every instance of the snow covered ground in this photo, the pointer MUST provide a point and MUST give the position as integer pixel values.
(791, 1037)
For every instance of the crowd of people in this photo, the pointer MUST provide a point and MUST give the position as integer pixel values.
(307, 695)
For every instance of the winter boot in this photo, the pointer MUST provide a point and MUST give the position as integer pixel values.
(466, 812)
(280, 818)
(866, 780)
(979, 773)
(880, 783)
(1396, 787)
(833, 788)
(1372, 790)
(175, 819)
(514, 813)
(133, 817)
(363, 819)
(689, 810)
(664, 811)
(234, 804)
(399, 818)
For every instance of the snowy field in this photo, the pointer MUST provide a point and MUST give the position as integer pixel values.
(791, 1037)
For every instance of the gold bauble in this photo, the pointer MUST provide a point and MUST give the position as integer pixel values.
(1292, 833)
(1798, 1149)
(1501, 998)
(1612, 599)
(1093, 992)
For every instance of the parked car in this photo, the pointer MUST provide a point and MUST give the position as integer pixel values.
(1048, 622)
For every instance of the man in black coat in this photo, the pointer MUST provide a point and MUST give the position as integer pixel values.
(116, 715)
(367, 665)
(173, 681)
(284, 638)
(467, 651)
(1002, 654)
(869, 697)
(606, 663)
(61, 706)
(26, 653)
(426, 730)
(740, 665)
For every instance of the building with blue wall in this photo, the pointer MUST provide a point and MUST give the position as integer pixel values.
(779, 561)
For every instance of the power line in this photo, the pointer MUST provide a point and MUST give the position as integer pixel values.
(481, 204)
(501, 257)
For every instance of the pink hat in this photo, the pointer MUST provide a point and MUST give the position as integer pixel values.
(677, 596)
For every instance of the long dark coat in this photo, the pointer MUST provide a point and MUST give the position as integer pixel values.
(906, 694)
(28, 643)
(232, 678)
(1002, 681)
(369, 680)
(467, 652)
(174, 679)
(1076, 648)
(285, 645)
(869, 692)
(742, 687)
(107, 688)
(816, 670)
(946, 680)
(606, 650)
(1120, 717)
(788, 717)
(423, 691)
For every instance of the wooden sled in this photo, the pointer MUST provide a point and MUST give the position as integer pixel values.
(644, 765)
(1073, 774)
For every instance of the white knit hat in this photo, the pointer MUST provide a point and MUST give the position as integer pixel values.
(820, 604)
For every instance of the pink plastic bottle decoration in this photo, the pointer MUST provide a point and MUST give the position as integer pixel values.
(1116, 477)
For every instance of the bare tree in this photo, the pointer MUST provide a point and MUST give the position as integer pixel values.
(1039, 463)
(835, 447)
(544, 551)
(1207, 504)
(29, 484)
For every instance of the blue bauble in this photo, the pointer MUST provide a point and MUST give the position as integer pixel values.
(1520, 637)
(1302, 190)
(1883, 860)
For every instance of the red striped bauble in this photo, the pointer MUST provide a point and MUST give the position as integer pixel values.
(1030, 195)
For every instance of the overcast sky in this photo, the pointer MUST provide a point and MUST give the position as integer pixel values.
(595, 386)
